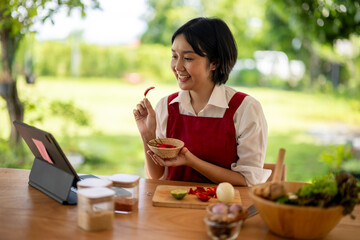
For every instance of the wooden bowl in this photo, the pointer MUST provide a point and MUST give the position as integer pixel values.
(166, 152)
(296, 221)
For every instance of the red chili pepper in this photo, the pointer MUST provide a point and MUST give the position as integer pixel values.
(200, 189)
(164, 145)
(147, 90)
(211, 191)
(191, 191)
(203, 196)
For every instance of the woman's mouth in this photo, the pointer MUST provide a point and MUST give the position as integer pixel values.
(183, 78)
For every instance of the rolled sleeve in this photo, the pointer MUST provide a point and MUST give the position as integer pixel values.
(253, 175)
(251, 132)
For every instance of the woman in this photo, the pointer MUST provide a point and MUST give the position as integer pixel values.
(224, 131)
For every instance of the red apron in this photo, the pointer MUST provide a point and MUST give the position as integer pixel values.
(210, 139)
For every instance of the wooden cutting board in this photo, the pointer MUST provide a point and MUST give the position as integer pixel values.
(163, 198)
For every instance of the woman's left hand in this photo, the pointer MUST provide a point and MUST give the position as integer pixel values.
(181, 159)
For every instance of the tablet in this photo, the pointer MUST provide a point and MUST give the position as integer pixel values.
(51, 172)
(44, 147)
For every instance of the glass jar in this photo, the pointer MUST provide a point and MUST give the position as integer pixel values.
(95, 208)
(94, 182)
(222, 230)
(126, 189)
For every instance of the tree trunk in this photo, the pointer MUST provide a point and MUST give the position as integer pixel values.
(16, 112)
(14, 106)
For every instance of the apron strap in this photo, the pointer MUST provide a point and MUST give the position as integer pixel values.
(173, 108)
(234, 104)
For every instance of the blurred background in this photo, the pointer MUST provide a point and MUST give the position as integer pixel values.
(77, 69)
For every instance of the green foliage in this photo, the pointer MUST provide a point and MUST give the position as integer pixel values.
(316, 27)
(69, 112)
(151, 61)
(164, 17)
(336, 155)
(16, 18)
(352, 165)
(322, 21)
(246, 77)
(244, 18)
(14, 157)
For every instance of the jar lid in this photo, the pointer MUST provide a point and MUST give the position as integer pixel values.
(94, 182)
(96, 192)
(124, 180)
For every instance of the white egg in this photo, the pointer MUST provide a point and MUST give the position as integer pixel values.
(225, 192)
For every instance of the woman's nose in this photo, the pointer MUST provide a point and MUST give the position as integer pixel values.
(179, 66)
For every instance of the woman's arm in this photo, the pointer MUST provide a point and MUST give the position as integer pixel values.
(146, 122)
(251, 132)
(213, 172)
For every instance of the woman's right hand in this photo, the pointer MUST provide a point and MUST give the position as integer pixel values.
(145, 119)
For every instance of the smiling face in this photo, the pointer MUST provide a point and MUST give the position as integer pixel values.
(192, 71)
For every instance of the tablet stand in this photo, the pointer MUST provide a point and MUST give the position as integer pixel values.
(52, 181)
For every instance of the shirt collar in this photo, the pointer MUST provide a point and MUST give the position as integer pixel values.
(217, 98)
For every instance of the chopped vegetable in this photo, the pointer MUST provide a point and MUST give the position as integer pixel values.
(202, 193)
(147, 90)
(198, 189)
(179, 193)
(202, 196)
(211, 191)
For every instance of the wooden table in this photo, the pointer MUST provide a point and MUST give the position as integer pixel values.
(26, 213)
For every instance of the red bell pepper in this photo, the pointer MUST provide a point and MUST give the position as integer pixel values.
(211, 191)
(202, 196)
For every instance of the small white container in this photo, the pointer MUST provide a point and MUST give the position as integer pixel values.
(126, 189)
(94, 182)
(95, 208)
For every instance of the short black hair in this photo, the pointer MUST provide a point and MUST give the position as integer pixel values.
(211, 37)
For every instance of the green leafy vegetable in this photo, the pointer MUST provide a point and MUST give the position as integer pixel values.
(320, 193)
(348, 192)
(329, 190)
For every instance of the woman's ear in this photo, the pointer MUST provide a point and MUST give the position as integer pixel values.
(214, 65)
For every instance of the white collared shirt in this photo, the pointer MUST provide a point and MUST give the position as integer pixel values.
(250, 125)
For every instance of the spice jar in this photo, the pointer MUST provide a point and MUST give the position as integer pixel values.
(94, 182)
(126, 189)
(95, 208)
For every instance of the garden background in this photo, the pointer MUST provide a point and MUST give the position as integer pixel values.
(300, 64)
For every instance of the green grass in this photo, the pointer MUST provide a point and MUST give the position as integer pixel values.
(112, 143)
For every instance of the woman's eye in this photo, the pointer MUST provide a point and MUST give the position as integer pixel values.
(188, 59)
(174, 57)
